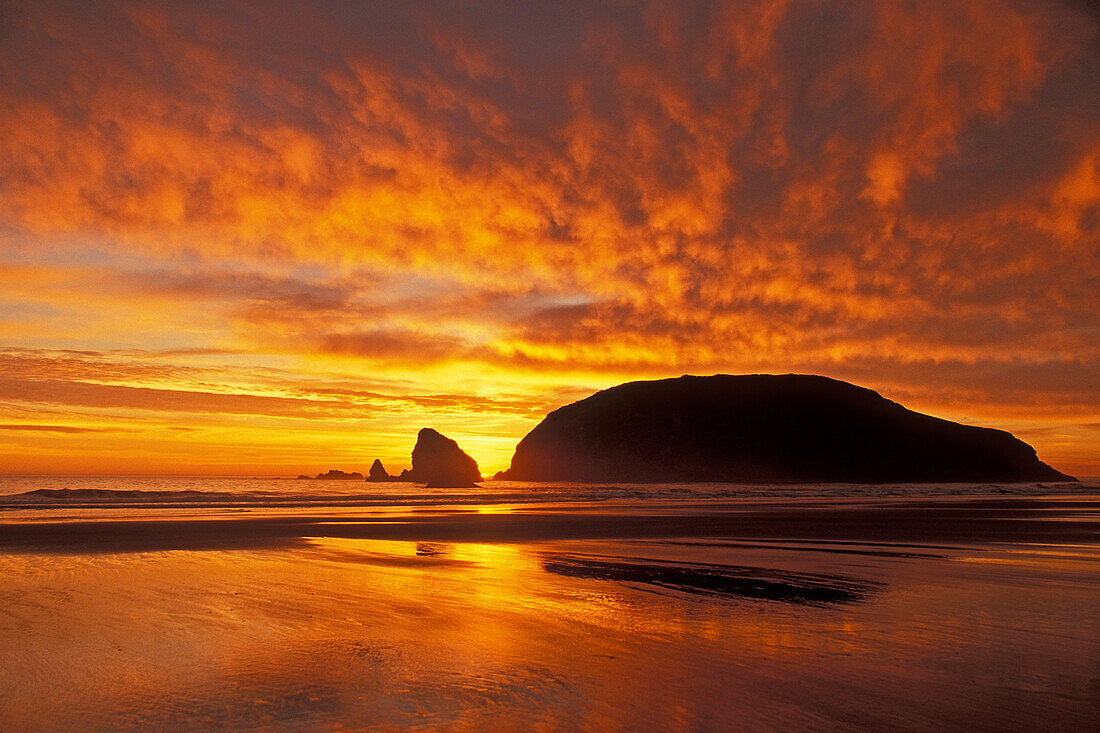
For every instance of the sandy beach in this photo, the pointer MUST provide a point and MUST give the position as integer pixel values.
(926, 613)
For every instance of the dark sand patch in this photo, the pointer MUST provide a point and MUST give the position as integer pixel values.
(795, 546)
(722, 581)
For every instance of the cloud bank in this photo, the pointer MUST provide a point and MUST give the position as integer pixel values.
(550, 195)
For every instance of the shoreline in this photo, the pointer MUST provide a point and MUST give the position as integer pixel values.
(983, 520)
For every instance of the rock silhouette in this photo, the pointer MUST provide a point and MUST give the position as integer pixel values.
(335, 475)
(763, 428)
(378, 472)
(439, 462)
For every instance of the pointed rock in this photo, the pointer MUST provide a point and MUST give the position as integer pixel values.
(378, 472)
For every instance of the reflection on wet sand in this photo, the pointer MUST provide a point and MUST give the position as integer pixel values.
(331, 632)
(926, 522)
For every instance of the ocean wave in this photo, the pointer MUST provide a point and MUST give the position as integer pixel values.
(245, 493)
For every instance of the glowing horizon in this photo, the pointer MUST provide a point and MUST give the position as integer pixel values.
(255, 240)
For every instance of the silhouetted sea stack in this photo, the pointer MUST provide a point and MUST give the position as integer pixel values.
(439, 462)
(378, 472)
(763, 428)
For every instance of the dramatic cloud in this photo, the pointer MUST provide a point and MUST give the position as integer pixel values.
(495, 198)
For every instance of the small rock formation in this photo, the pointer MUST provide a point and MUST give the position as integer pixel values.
(378, 472)
(440, 463)
(335, 475)
(763, 428)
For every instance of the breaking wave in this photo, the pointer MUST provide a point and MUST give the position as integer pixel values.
(100, 492)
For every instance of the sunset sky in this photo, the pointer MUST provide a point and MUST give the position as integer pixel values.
(272, 238)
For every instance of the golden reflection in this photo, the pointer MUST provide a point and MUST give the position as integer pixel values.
(397, 634)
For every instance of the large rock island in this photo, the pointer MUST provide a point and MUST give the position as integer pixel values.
(763, 428)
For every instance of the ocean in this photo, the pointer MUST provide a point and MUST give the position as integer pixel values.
(89, 493)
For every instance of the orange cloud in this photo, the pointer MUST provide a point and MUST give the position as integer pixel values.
(552, 198)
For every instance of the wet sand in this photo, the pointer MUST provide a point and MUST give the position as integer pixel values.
(1047, 520)
(924, 614)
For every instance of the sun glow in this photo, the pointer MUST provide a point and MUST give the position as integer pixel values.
(233, 242)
